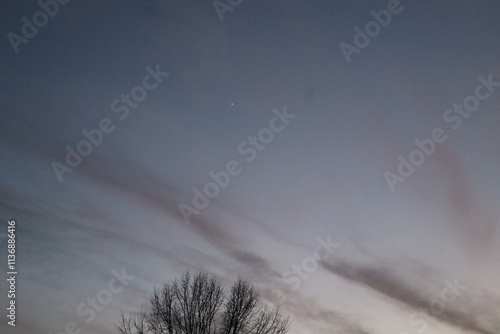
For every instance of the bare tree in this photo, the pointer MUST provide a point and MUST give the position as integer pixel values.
(198, 305)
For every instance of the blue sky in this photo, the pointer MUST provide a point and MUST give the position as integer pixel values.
(321, 176)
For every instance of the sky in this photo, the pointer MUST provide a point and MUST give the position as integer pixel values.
(342, 156)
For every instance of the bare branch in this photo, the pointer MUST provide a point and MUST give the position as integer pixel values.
(196, 305)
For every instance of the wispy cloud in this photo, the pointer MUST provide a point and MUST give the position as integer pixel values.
(383, 281)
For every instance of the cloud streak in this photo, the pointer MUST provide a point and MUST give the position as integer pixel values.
(382, 281)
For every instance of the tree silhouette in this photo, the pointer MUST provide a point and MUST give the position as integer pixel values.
(198, 305)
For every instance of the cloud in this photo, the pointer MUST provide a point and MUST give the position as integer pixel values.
(473, 220)
(384, 282)
(319, 319)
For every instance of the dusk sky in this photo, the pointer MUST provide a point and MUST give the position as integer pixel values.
(342, 156)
